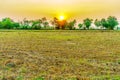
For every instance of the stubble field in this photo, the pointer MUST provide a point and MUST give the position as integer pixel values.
(59, 55)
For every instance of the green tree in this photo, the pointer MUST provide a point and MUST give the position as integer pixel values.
(16, 25)
(87, 22)
(7, 23)
(104, 23)
(112, 22)
(80, 25)
(71, 25)
(36, 24)
(97, 23)
(1, 25)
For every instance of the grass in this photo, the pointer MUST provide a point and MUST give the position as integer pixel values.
(59, 55)
(107, 77)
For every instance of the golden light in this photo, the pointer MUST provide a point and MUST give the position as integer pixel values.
(61, 17)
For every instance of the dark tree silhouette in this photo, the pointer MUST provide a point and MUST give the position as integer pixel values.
(44, 22)
(55, 22)
(59, 24)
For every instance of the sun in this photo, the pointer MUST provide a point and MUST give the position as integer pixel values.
(61, 17)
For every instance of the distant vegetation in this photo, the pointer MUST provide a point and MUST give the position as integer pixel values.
(43, 24)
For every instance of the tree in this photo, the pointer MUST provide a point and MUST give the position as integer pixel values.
(80, 25)
(25, 24)
(104, 23)
(87, 22)
(97, 23)
(44, 19)
(46, 24)
(112, 22)
(55, 23)
(16, 25)
(59, 24)
(71, 25)
(36, 24)
(1, 25)
(7, 23)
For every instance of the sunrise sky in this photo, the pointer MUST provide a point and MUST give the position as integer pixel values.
(34, 9)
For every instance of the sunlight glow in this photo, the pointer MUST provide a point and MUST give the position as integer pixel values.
(61, 17)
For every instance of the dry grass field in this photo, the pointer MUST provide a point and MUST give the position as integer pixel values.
(59, 55)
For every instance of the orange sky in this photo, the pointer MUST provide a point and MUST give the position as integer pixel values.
(34, 9)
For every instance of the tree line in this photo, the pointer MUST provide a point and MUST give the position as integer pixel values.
(40, 24)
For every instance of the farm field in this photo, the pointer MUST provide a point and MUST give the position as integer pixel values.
(59, 55)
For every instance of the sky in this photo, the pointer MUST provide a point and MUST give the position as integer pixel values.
(71, 9)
